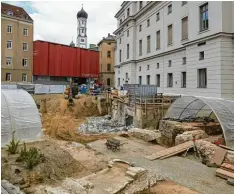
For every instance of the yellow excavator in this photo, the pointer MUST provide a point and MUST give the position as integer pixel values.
(70, 92)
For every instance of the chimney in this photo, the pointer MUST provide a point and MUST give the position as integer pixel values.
(108, 34)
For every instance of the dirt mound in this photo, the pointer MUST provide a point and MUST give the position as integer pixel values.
(58, 165)
(61, 121)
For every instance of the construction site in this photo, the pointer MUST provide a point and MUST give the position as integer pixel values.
(133, 141)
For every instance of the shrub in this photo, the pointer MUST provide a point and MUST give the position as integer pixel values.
(12, 148)
(31, 157)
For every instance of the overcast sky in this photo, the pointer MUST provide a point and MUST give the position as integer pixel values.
(56, 20)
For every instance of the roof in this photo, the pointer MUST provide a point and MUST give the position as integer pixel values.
(109, 38)
(17, 12)
(82, 14)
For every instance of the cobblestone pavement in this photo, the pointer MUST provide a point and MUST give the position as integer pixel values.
(183, 171)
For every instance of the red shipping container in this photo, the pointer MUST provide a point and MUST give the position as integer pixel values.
(53, 59)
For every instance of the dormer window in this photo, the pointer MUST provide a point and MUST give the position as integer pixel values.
(9, 13)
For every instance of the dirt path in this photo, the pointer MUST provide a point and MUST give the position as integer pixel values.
(186, 172)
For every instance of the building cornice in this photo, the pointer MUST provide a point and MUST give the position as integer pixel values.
(15, 18)
(138, 14)
(216, 35)
(122, 8)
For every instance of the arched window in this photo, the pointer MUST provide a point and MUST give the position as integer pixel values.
(108, 67)
(108, 81)
(108, 54)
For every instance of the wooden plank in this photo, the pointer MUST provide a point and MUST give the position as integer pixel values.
(171, 151)
(227, 167)
(226, 147)
(219, 155)
(167, 156)
(224, 174)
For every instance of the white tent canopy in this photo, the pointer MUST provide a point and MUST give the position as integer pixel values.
(19, 114)
(190, 106)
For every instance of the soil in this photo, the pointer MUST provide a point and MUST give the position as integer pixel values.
(58, 165)
(168, 187)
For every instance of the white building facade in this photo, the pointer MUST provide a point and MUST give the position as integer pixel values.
(184, 48)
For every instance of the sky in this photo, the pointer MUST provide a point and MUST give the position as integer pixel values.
(56, 21)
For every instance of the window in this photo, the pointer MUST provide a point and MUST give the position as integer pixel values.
(127, 51)
(201, 55)
(140, 80)
(158, 40)
(120, 55)
(8, 76)
(24, 62)
(120, 41)
(157, 17)
(108, 54)
(140, 47)
(9, 44)
(82, 22)
(9, 28)
(183, 80)
(184, 2)
(108, 67)
(140, 4)
(120, 21)
(157, 65)
(185, 28)
(128, 12)
(8, 61)
(202, 78)
(148, 67)
(128, 33)
(169, 63)
(148, 44)
(170, 80)
(24, 77)
(126, 76)
(148, 22)
(25, 46)
(140, 28)
(169, 38)
(158, 80)
(169, 9)
(140, 68)
(204, 22)
(81, 40)
(184, 60)
(118, 81)
(148, 79)
(108, 81)
(9, 13)
(25, 31)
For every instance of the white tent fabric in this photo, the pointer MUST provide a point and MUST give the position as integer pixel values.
(20, 114)
(190, 106)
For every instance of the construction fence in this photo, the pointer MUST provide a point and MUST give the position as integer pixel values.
(36, 88)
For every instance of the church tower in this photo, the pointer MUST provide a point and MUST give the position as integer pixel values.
(81, 40)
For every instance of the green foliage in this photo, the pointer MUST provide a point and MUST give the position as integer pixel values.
(12, 148)
(31, 157)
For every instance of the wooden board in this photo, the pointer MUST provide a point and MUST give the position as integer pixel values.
(224, 174)
(219, 155)
(171, 151)
(226, 147)
(227, 167)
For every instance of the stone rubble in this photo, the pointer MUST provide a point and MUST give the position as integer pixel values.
(144, 134)
(99, 125)
(8, 188)
(207, 151)
(189, 135)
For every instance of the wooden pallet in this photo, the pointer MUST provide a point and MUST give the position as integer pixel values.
(170, 151)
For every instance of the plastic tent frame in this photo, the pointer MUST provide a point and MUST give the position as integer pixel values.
(20, 114)
(191, 106)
